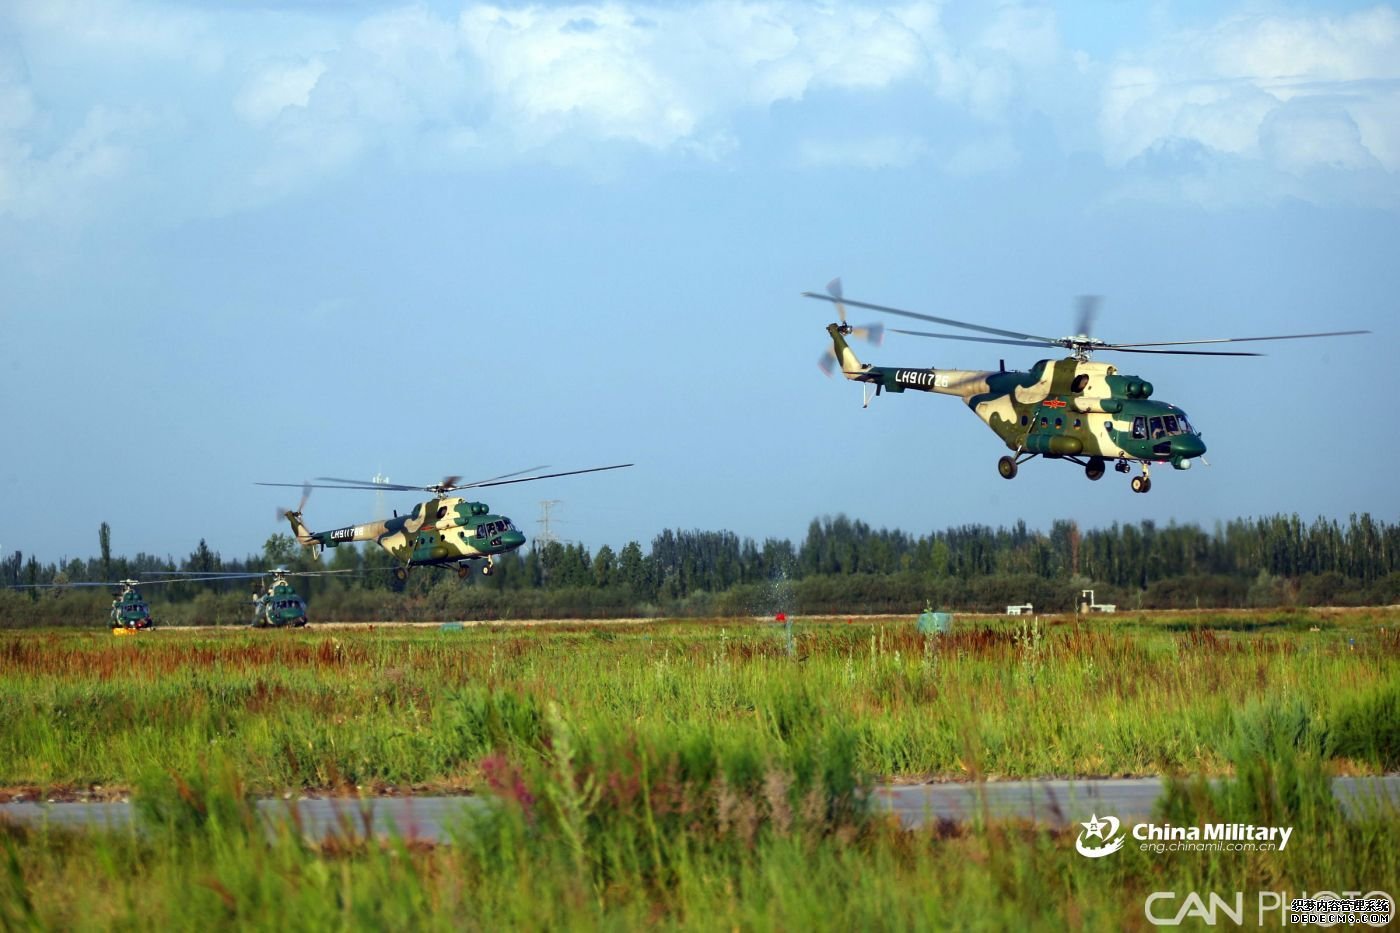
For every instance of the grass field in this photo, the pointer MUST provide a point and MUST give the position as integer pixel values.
(696, 774)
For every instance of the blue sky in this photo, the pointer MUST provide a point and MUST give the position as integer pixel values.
(243, 242)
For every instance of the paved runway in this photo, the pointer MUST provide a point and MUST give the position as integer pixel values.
(1051, 803)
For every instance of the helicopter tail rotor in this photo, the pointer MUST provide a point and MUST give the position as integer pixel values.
(303, 534)
(305, 495)
(874, 334)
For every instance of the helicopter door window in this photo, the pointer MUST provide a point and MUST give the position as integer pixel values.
(1171, 424)
(1139, 428)
(1024, 419)
(1044, 422)
(1059, 423)
(1157, 428)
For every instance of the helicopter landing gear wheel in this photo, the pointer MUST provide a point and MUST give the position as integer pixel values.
(462, 571)
(1141, 484)
(1006, 466)
(486, 571)
(400, 574)
(1094, 468)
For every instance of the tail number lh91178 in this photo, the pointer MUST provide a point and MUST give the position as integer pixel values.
(924, 378)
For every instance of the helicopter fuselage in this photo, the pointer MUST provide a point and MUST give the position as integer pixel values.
(129, 610)
(280, 605)
(1062, 408)
(446, 530)
(1076, 409)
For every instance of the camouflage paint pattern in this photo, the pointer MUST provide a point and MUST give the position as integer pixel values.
(1059, 408)
(447, 530)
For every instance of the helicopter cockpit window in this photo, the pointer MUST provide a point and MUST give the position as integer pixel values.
(1157, 428)
(1139, 428)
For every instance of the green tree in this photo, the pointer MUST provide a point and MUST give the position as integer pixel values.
(604, 567)
(104, 543)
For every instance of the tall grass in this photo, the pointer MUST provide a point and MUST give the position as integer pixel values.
(396, 708)
(621, 830)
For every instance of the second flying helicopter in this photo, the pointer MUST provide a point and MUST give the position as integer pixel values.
(444, 531)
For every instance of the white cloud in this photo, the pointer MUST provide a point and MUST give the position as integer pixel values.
(277, 100)
(277, 87)
(1296, 93)
(659, 75)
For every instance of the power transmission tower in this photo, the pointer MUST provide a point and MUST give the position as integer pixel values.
(379, 479)
(546, 535)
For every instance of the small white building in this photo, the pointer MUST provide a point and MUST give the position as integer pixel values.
(1088, 604)
(1023, 610)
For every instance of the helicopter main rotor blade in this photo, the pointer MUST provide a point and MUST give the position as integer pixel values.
(1118, 349)
(367, 484)
(493, 479)
(929, 317)
(1183, 343)
(1013, 343)
(530, 479)
(1088, 311)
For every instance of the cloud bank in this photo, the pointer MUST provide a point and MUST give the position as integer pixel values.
(252, 105)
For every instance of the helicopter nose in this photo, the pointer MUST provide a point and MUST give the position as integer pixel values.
(512, 539)
(1187, 446)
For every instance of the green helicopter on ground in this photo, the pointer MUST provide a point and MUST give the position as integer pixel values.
(275, 603)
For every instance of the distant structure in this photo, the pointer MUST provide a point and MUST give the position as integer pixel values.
(1087, 603)
(379, 479)
(546, 535)
(1024, 609)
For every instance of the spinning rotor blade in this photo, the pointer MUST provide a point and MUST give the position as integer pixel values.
(494, 478)
(874, 334)
(929, 317)
(305, 495)
(1184, 343)
(1088, 311)
(1119, 349)
(834, 290)
(448, 484)
(357, 484)
(827, 362)
(500, 481)
(1014, 343)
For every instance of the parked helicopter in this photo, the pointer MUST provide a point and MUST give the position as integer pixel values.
(444, 531)
(276, 603)
(1072, 409)
(129, 613)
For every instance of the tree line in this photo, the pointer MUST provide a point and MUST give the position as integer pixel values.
(841, 565)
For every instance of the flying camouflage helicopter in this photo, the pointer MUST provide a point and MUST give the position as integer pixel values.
(129, 613)
(1068, 409)
(444, 531)
(276, 603)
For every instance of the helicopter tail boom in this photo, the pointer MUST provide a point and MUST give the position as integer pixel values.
(305, 536)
